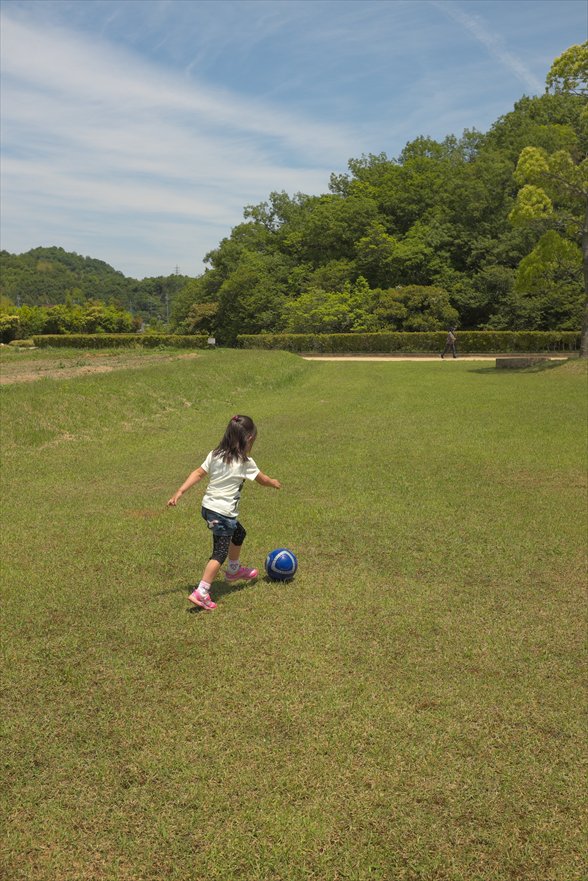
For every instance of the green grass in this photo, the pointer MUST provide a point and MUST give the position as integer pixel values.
(408, 709)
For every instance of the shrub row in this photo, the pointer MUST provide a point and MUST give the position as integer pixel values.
(119, 340)
(468, 341)
(23, 322)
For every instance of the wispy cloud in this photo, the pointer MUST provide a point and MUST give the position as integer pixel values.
(142, 128)
(476, 26)
(76, 68)
(92, 129)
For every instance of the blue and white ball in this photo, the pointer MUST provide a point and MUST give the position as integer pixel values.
(281, 564)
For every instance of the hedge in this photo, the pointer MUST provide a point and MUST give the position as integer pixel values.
(468, 341)
(21, 344)
(119, 340)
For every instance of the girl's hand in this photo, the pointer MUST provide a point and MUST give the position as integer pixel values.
(268, 481)
(174, 500)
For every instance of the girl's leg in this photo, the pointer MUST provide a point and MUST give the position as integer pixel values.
(234, 570)
(234, 553)
(237, 539)
(211, 571)
(220, 548)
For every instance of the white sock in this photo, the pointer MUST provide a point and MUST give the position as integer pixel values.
(203, 587)
(233, 566)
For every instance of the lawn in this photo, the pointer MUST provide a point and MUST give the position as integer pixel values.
(408, 709)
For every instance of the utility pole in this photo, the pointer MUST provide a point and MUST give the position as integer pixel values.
(175, 272)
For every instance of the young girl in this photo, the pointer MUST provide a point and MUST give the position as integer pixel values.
(227, 467)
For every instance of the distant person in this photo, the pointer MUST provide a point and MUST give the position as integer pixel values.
(450, 343)
(227, 467)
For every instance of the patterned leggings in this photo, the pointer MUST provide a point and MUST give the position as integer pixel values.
(220, 543)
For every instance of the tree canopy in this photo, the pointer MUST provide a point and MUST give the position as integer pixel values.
(554, 194)
(437, 218)
(482, 230)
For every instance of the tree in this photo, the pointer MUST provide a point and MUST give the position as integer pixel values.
(492, 285)
(349, 310)
(250, 300)
(435, 217)
(552, 275)
(375, 253)
(416, 308)
(554, 193)
(554, 187)
(330, 230)
(569, 72)
(193, 293)
(200, 318)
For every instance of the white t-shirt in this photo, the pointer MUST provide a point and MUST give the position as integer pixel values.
(225, 483)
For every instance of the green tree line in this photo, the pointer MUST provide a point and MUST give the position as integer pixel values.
(486, 231)
(94, 316)
(446, 233)
(53, 277)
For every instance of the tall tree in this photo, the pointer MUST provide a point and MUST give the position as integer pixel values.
(569, 72)
(554, 187)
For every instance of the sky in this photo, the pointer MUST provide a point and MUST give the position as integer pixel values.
(136, 131)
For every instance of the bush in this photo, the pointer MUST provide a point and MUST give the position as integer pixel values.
(22, 344)
(93, 317)
(119, 340)
(477, 341)
(9, 328)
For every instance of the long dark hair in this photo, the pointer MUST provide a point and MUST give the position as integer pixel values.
(236, 440)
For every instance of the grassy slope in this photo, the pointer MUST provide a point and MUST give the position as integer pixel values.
(407, 709)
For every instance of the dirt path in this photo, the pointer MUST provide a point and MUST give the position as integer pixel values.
(85, 365)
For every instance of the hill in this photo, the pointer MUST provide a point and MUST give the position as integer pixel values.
(50, 276)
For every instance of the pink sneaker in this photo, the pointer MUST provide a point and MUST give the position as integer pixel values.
(203, 601)
(242, 572)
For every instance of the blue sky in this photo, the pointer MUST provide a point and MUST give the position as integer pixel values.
(136, 131)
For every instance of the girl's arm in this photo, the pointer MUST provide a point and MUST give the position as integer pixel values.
(268, 481)
(194, 478)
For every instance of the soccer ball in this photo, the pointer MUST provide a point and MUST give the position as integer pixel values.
(281, 564)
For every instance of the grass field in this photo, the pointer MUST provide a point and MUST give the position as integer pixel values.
(410, 708)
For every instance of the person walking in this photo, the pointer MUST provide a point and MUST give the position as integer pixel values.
(228, 466)
(450, 343)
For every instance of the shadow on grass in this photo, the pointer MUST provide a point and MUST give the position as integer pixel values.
(218, 590)
(536, 368)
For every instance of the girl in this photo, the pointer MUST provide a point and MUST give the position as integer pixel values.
(227, 466)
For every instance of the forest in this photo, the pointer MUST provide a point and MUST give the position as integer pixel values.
(480, 231)
(52, 276)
